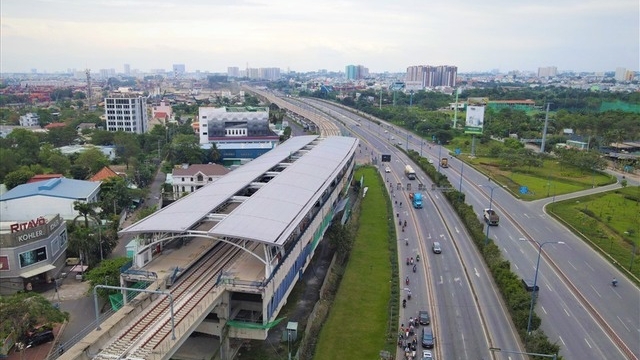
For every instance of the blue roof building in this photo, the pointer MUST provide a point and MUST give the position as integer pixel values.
(55, 196)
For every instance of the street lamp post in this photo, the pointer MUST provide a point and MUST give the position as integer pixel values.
(497, 349)
(535, 280)
(439, 155)
(460, 187)
(486, 239)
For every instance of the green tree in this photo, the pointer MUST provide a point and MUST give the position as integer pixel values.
(26, 144)
(102, 137)
(18, 177)
(114, 190)
(93, 160)
(79, 172)
(8, 162)
(107, 273)
(185, 149)
(127, 146)
(58, 163)
(86, 211)
(61, 136)
(22, 311)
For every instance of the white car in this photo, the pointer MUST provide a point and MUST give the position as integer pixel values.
(426, 355)
(387, 170)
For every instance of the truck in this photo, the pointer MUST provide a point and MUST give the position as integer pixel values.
(416, 200)
(444, 162)
(411, 174)
(491, 217)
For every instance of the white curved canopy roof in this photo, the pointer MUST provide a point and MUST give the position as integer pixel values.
(271, 213)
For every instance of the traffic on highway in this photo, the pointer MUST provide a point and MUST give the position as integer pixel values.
(575, 292)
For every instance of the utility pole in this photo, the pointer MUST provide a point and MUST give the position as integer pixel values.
(544, 132)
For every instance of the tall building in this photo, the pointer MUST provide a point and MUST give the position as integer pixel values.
(432, 76)
(233, 71)
(127, 69)
(238, 132)
(126, 112)
(622, 74)
(547, 72)
(356, 72)
(178, 69)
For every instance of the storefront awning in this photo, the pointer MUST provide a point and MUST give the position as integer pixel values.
(36, 271)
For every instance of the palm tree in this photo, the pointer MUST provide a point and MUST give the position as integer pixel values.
(86, 210)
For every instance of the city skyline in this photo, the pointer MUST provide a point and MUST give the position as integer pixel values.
(55, 35)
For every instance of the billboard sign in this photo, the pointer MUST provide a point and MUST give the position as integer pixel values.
(475, 120)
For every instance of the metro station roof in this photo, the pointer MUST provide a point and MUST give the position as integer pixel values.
(271, 213)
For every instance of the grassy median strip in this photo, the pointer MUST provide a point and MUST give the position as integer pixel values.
(358, 322)
(610, 221)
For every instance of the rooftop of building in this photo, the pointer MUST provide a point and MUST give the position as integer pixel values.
(43, 177)
(300, 170)
(59, 187)
(205, 169)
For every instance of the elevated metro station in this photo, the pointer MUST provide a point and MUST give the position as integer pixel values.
(229, 253)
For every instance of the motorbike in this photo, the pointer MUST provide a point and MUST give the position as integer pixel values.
(411, 261)
(407, 261)
(614, 283)
(406, 241)
(406, 281)
(404, 303)
(418, 257)
(409, 295)
(415, 268)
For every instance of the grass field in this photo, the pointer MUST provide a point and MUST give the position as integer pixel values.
(547, 181)
(610, 220)
(358, 320)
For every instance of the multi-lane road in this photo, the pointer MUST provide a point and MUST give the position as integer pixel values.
(577, 304)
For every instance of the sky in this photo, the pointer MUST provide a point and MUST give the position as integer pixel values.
(302, 35)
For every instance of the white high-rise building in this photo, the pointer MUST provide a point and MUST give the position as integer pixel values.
(127, 69)
(547, 72)
(126, 112)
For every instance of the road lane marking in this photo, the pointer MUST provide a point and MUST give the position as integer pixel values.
(587, 341)
(596, 291)
(586, 263)
(617, 294)
(458, 231)
(522, 239)
(457, 279)
(477, 273)
(575, 268)
(510, 237)
(527, 215)
(515, 266)
(441, 281)
(566, 312)
(543, 309)
(560, 337)
(623, 324)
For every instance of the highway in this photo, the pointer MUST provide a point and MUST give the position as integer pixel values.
(577, 304)
(449, 283)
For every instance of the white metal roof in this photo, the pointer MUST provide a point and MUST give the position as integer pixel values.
(268, 215)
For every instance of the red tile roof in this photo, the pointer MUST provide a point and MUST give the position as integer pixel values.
(103, 174)
(55, 125)
(43, 177)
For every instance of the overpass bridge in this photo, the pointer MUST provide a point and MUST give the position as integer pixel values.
(327, 128)
(229, 253)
